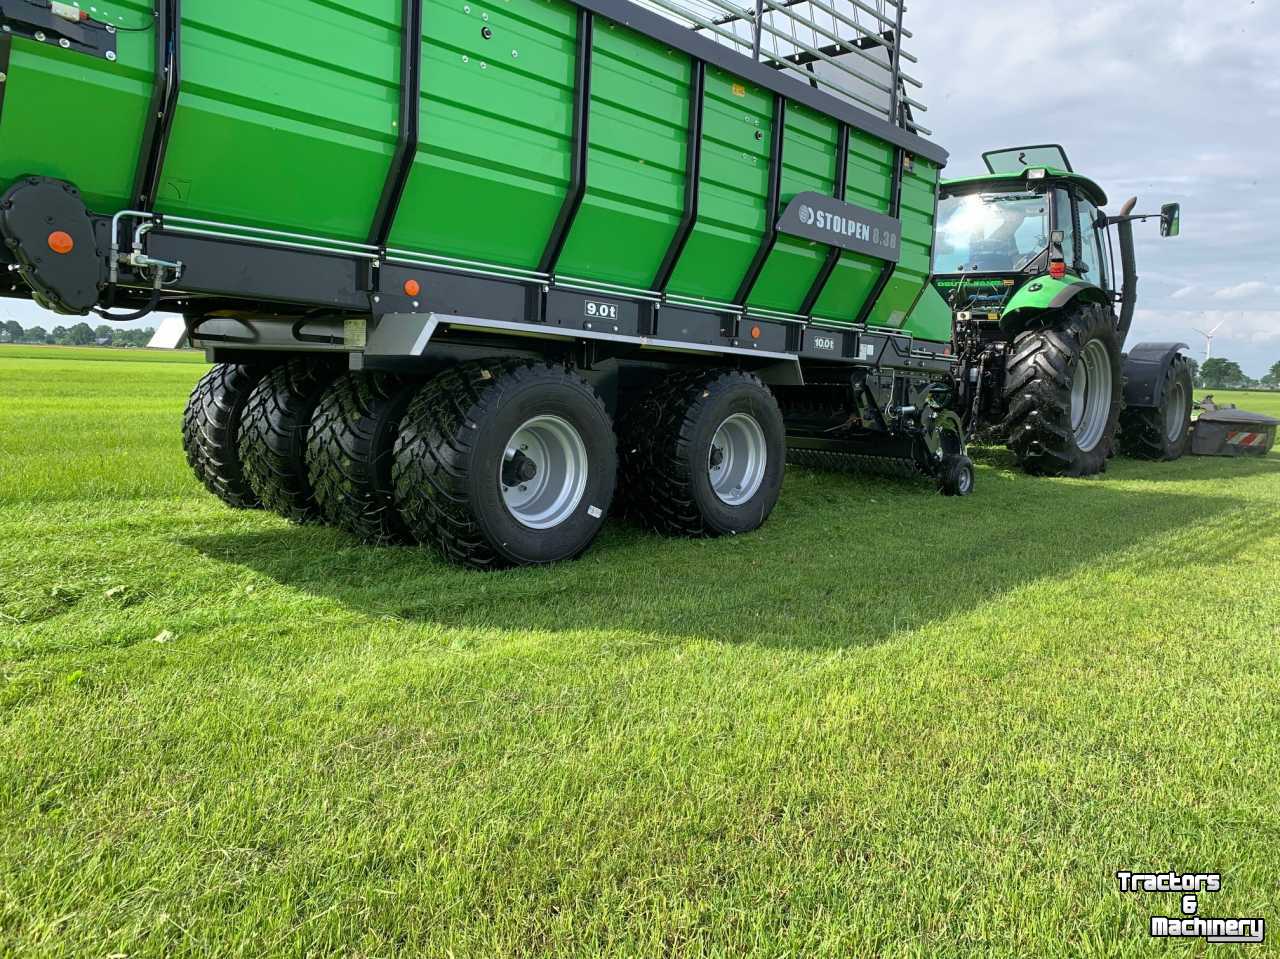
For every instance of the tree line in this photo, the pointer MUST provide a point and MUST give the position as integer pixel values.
(81, 334)
(1221, 373)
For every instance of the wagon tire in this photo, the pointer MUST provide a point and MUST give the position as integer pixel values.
(211, 432)
(273, 437)
(703, 454)
(503, 463)
(350, 452)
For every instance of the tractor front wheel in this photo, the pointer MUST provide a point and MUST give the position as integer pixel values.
(1161, 432)
(1064, 391)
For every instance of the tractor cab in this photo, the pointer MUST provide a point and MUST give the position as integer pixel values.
(1030, 221)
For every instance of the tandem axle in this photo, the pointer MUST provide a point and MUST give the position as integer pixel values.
(490, 414)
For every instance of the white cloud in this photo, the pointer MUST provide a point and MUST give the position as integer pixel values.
(1183, 292)
(1241, 291)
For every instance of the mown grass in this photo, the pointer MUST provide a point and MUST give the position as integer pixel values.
(888, 724)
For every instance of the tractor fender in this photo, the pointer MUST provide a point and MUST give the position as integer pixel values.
(1044, 294)
(1145, 367)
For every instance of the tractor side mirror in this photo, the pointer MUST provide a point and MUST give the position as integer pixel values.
(1170, 219)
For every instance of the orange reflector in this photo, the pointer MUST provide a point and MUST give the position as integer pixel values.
(1057, 269)
(412, 287)
(61, 242)
(755, 332)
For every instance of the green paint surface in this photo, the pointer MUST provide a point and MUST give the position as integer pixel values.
(58, 102)
(636, 160)
(919, 192)
(870, 185)
(734, 188)
(808, 163)
(931, 318)
(492, 169)
(288, 118)
(1039, 294)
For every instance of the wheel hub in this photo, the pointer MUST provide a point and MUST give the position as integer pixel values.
(543, 474)
(1175, 412)
(518, 469)
(1091, 384)
(737, 460)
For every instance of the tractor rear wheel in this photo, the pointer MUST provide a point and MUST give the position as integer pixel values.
(350, 450)
(703, 454)
(1161, 432)
(273, 437)
(506, 463)
(211, 432)
(1064, 391)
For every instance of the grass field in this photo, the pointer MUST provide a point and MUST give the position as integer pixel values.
(888, 724)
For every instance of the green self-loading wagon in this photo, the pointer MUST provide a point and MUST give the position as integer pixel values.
(464, 267)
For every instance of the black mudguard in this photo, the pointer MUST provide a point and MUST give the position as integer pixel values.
(1145, 367)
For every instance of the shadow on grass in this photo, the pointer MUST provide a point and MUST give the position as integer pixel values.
(845, 561)
(1188, 468)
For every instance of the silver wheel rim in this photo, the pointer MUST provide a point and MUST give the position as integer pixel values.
(737, 459)
(1175, 412)
(1091, 395)
(543, 473)
(966, 481)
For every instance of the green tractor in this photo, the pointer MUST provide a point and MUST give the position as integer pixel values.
(1025, 270)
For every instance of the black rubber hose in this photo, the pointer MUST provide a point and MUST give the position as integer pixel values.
(137, 315)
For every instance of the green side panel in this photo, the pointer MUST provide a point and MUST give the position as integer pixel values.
(75, 117)
(919, 207)
(287, 114)
(808, 163)
(635, 162)
(931, 318)
(870, 185)
(733, 189)
(493, 163)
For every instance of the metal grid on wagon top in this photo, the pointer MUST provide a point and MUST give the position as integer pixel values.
(852, 49)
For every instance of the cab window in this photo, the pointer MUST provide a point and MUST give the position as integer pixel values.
(1065, 220)
(1091, 245)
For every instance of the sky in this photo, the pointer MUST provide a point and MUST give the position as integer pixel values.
(1168, 100)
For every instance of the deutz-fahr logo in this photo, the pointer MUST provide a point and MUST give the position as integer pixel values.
(828, 220)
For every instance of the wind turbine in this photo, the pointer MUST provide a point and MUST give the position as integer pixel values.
(1208, 339)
